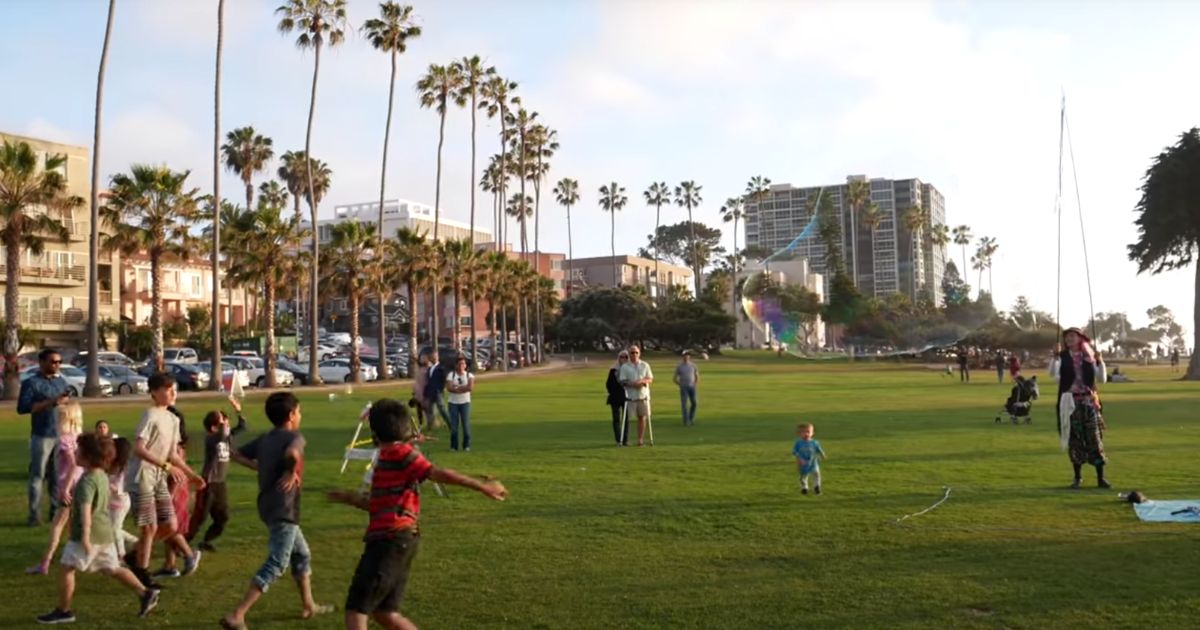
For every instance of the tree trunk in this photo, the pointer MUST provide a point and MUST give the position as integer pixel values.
(1193, 372)
(12, 297)
(537, 260)
(964, 267)
(474, 336)
(853, 243)
(314, 374)
(457, 288)
(570, 254)
(156, 341)
(412, 329)
(612, 243)
(437, 219)
(657, 276)
(355, 350)
(504, 333)
(518, 322)
(269, 291)
(695, 255)
(471, 236)
(92, 386)
(387, 132)
(492, 331)
(733, 283)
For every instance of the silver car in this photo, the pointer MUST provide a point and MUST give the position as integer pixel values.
(124, 380)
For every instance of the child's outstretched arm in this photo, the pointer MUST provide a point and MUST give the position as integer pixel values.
(353, 499)
(491, 488)
(243, 460)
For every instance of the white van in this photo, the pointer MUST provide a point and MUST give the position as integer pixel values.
(181, 355)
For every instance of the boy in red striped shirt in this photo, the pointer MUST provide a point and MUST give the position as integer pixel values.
(394, 504)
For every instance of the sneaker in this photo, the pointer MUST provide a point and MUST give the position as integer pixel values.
(817, 490)
(207, 546)
(803, 490)
(1075, 485)
(149, 601)
(192, 562)
(37, 569)
(1103, 483)
(467, 449)
(166, 573)
(57, 616)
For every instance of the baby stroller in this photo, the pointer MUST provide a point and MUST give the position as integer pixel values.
(1020, 400)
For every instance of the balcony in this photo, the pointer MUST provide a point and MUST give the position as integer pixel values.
(69, 318)
(79, 230)
(53, 275)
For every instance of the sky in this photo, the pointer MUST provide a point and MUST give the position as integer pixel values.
(963, 95)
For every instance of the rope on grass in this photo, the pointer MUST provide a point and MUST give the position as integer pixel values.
(928, 509)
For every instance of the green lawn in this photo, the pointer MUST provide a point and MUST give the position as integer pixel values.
(708, 528)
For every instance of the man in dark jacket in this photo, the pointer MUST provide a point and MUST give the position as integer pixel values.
(435, 387)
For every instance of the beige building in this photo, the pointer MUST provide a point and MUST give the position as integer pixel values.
(398, 213)
(631, 270)
(185, 283)
(54, 285)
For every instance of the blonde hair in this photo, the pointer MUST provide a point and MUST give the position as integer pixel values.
(70, 419)
(804, 425)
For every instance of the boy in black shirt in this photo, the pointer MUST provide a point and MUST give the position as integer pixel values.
(214, 498)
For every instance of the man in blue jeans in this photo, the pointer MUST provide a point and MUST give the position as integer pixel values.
(41, 394)
(687, 377)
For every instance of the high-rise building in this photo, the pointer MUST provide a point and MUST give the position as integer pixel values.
(890, 258)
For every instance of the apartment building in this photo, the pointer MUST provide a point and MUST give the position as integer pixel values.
(185, 283)
(630, 271)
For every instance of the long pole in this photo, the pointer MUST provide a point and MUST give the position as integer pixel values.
(1062, 122)
(92, 384)
(215, 376)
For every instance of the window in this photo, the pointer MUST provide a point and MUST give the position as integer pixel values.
(197, 289)
(556, 265)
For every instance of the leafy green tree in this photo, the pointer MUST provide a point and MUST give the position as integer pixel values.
(350, 275)
(687, 195)
(680, 241)
(954, 289)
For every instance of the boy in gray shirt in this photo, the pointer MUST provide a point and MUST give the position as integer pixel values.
(687, 377)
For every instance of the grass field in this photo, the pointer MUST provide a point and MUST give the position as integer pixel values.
(708, 529)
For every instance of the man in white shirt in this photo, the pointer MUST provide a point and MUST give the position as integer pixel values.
(636, 376)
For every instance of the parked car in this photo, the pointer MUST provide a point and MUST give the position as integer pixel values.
(324, 351)
(181, 355)
(256, 371)
(397, 366)
(338, 370)
(299, 372)
(76, 379)
(105, 358)
(339, 338)
(244, 353)
(124, 379)
(228, 373)
(188, 376)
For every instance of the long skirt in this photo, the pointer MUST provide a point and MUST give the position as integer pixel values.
(1086, 443)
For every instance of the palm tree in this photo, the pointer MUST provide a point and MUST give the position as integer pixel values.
(497, 99)
(566, 192)
(687, 195)
(460, 262)
(92, 385)
(493, 266)
(294, 174)
(1169, 219)
(351, 276)
(319, 22)
(30, 194)
(543, 142)
(612, 199)
(657, 195)
(962, 237)
(858, 195)
(489, 183)
(389, 33)
(268, 251)
(246, 153)
(520, 208)
(988, 246)
(473, 77)
(272, 193)
(915, 219)
(408, 262)
(939, 236)
(150, 210)
(733, 211)
(215, 380)
(520, 124)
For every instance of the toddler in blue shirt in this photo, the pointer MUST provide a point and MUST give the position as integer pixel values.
(808, 454)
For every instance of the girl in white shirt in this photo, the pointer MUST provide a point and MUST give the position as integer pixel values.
(459, 384)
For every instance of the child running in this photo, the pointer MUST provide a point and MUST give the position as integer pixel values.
(91, 548)
(394, 503)
(118, 498)
(808, 454)
(214, 498)
(180, 496)
(70, 425)
(278, 456)
(155, 446)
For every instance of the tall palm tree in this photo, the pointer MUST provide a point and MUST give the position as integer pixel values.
(30, 194)
(489, 183)
(294, 174)
(92, 385)
(687, 195)
(272, 193)
(612, 199)
(543, 142)
(915, 219)
(657, 195)
(150, 210)
(492, 266)
(498, 99)
(437, 89)
(566, 192)
(989, 247)
(460, 262)
(732, 211)
(962, 238)
(474, 75)
(268, 252)
(389, 33)
(939, 236)
(246, 154)
(408, 263)
(520, 208)
(520, 124)
(319, 22)
(858, 196)
(215, 379)
(350, 275)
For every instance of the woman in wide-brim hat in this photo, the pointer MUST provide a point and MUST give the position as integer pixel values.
(1079, 405)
